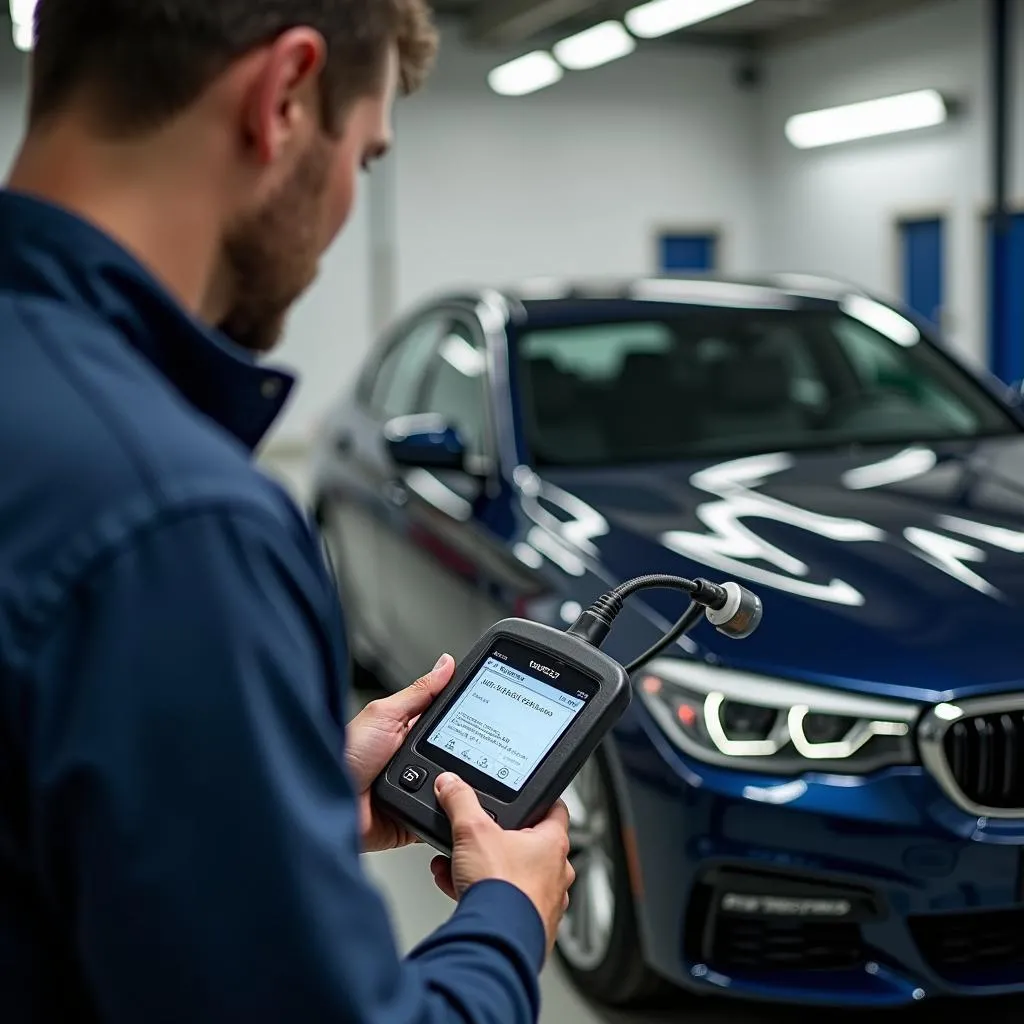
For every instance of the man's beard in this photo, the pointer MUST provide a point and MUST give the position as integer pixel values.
(272, 255)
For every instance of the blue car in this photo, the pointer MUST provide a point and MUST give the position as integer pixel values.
(831, 811)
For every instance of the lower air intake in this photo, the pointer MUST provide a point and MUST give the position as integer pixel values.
(956, 945)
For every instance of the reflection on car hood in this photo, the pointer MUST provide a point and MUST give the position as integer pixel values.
(898, 571)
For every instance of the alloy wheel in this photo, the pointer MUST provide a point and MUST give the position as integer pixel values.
(586, 930)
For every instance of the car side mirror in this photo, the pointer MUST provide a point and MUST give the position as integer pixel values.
(424, 442)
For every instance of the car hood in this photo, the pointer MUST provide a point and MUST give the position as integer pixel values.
(896, 571)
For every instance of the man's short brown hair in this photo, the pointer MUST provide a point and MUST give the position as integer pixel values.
(145, 61)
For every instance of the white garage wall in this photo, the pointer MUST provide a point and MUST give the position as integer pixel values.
(13, 68)
(834, 210)
(328, 332)
(573, 180)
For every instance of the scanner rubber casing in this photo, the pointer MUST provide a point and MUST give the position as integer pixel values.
(419, 811)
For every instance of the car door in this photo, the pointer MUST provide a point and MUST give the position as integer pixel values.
(362, 495)
(441, 553)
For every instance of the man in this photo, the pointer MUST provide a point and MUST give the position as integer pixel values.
(181, 811)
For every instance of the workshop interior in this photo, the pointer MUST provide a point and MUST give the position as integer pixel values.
(728, 293)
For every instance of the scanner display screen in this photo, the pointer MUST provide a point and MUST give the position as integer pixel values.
(509, 715)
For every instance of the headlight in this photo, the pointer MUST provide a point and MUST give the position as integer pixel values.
(768, 725)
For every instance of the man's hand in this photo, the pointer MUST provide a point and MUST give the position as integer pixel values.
(373, 738)
(534, 860)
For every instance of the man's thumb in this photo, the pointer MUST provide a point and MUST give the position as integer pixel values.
(457, 799)
(415, 699)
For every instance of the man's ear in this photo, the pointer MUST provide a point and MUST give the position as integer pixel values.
(284, 92)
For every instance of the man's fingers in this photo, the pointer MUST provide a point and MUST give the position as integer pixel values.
(441, 869)
(411, 702)
(556, 820)
(446, 887)
(458, 800)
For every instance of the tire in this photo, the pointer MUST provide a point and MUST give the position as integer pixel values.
(598, 941)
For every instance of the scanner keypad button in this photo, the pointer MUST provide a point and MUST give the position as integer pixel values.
(412, 777)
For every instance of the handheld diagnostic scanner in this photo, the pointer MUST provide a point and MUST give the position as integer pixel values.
(528, 705)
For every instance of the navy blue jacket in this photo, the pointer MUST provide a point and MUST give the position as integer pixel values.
(178, 836)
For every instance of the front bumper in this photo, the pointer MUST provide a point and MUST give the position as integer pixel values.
(935, 896)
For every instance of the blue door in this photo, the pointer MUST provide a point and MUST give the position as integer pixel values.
(923, 245)
(1006, 324)
(677, 253)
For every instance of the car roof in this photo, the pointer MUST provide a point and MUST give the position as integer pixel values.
(540, 297)
(689, 288)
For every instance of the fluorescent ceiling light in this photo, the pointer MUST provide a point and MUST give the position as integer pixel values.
(22, 11)
(596, 46)
(525, 74)
(903, 113)
(659, 17)
(24, 37)
(22, 17)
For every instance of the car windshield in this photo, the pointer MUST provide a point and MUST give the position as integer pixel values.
(712, 382)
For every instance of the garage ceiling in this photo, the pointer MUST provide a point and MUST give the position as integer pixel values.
(764, 22)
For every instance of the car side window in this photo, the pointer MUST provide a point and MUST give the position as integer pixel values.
(457, 387)
(400, 375)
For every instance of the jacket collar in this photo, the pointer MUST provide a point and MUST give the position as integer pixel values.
(47, 251)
